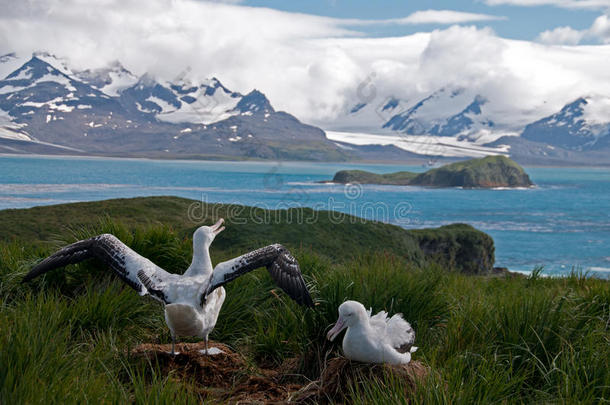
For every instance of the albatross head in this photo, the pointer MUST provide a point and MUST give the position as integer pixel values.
(204, 235)
(351, 313)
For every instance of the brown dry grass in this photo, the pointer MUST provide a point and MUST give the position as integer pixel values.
(228, 378)
(334, 383)
(223, 378)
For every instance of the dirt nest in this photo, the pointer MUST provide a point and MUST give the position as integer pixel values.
(224, 377)
(334, 383)
(228, 378)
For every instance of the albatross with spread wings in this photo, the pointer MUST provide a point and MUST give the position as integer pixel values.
(192, 300)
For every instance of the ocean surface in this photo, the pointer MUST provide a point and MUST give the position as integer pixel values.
(562, 224)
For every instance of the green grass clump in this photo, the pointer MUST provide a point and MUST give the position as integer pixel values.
(66, 337)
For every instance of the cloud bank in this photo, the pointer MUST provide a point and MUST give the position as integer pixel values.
(314, 67)
(428, 17)
(599, 30)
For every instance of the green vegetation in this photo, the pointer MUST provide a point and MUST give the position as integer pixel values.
(251, 228)
(364, 177)
(66, 338)
(457, 246)
(491, 171)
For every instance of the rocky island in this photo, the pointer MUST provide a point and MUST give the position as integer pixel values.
(487, 172)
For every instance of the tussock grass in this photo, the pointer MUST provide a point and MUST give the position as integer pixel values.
(66, 337)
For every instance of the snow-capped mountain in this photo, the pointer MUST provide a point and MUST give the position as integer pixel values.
(447, 113)
(111, 111)
(8, 63)
(46, 106)
(459, 122)
(11, 62)
(368, 116)
(181, 102)
(110, 80)
(580, 125)
(469, 121)
(447, 122)
(37, 94)
(38, 85)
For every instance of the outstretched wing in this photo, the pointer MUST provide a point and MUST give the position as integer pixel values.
(138, 272)
(282, 266)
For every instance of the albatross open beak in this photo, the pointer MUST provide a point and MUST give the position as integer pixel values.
(217, 228)
(339, 326)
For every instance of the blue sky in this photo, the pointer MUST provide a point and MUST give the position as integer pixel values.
(522, 22)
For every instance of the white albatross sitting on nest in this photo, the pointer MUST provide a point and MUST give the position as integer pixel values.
(192, 300)
(373, 339)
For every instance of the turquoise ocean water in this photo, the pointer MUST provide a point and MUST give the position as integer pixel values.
(563, 223)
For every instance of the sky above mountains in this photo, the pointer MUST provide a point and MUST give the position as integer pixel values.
(319, 58)
(516, 19)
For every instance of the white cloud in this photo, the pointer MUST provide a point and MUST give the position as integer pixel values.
(447, 17)
(308, 65)
(575, 4)
(599, 30)
(442, 17)
(562, 35)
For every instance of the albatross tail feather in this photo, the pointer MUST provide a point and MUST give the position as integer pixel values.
(401, 333)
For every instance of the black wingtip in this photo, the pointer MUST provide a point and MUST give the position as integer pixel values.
(307, 301)
(32, 274)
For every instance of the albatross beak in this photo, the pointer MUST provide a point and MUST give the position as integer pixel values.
(339, 326)
(217, 228)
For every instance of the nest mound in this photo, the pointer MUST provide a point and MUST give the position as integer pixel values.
(225, 377)
(341, 373)
(228, 378)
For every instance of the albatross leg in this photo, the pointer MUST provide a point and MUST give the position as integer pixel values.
(209, 351)
(173, 345)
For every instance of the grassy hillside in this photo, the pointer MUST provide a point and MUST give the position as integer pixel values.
(491, 171)
(337, 236)
(66, 338)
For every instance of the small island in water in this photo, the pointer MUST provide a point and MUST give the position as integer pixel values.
(487, 172)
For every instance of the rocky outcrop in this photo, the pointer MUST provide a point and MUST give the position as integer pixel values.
(457, 246)
(488, 172)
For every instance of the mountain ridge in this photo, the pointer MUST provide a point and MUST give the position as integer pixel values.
(146, 117)
(109, 111)
(463, 123)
